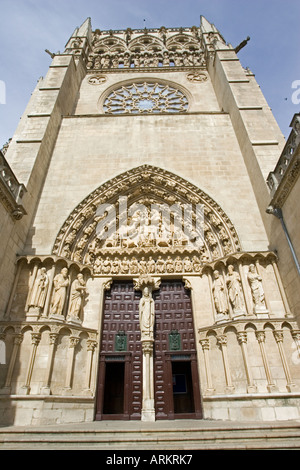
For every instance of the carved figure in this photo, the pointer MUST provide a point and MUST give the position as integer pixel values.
(146, 315)
(39, 290)
(257, 291)
(235, 292)
(219, 294)
(78, 292)
(61, 282)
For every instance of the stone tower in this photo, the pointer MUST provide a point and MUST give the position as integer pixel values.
(138, 276)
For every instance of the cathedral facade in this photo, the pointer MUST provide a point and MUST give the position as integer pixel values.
(142, 277)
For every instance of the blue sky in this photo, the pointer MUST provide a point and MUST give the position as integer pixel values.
(28, 27)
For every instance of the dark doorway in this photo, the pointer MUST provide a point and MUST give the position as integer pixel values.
(114, 389)
(183, 397)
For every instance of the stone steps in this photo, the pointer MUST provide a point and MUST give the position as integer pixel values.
(178, 436)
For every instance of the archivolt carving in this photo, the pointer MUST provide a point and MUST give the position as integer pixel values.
(165, 251)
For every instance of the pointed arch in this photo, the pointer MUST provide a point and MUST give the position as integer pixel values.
(147, 187)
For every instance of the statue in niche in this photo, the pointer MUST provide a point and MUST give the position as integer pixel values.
(169, 265)
(134, 266)
(219, 294)
(160, 265)
(143, 266)
(235, 292)
(125, 266)
(151, 265)
(78, 292)
(146, 315)
(255, 282)
(178, 265)
(61, 283)
(39, 290)
(115, 266)
(106, 267)
(188, 267)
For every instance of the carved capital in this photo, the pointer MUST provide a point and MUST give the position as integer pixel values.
(204, 343)
(146, 280)
(242, 337)
(261, 336)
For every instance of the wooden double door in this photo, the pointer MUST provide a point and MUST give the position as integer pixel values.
(176, 381)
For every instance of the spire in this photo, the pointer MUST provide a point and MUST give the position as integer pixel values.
(84, 31)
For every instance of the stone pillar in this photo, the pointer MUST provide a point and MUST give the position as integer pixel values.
(278, 335)
(222, 342)
(35, 340)
(49, 292)
(205, 347)
(242, 339)
(261, 338)
(91, 345)
(7, 386)
(147, 284)
(45, 390)
(70, 362)
(148, 409)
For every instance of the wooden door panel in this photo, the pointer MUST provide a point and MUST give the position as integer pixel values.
(121, 306)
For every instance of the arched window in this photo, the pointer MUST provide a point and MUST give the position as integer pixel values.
(145, 98)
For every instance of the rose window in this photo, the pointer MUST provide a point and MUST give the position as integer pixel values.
(145, 98)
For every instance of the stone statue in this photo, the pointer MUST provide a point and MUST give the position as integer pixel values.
(39, 290)
(61, 283)
(78, 292)
(219, 294)
(235, 292)
(146, 315)
(255, 282)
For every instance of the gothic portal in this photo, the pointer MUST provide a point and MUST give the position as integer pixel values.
(139, 279)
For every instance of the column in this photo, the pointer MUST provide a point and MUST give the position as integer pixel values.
(222, 342)
(245, 289)
(70, 362)
(7, 386)
(45, 390)
(35, 340)
(278, 335)
(147, 284)
(148, 410)
(261, 338)
(205, 347)
(91, 345)
(49, 292)
(242, 339)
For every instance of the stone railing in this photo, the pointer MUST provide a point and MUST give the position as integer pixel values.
(11, 191)
(289, 152)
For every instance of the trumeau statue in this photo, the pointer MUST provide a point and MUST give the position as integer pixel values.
(61, 282)
(146, 315)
